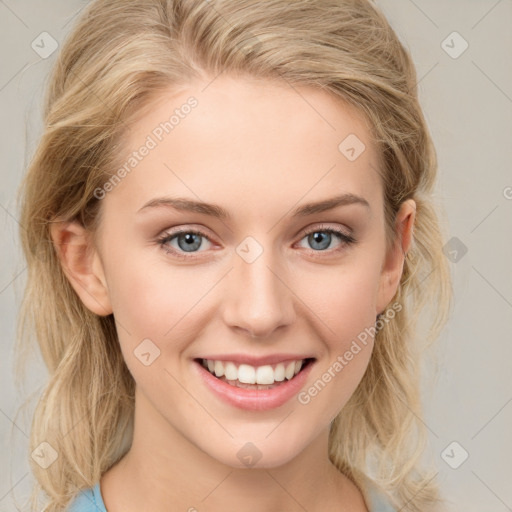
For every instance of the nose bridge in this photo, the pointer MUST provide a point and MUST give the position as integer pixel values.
(258, 300)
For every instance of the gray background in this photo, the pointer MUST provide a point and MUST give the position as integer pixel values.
(468, 104)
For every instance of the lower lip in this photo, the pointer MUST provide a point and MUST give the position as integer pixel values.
(254, 399)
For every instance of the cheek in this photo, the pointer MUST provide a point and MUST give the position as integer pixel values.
(154, 301)
(344, 305)
(343, 299)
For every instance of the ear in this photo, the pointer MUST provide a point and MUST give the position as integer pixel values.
(82, 265)
(392, 268)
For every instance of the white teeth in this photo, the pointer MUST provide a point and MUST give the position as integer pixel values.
(247, 374)
(230, 371)
(265, 375)
(290, 370)
(279, 373)
(219, 369)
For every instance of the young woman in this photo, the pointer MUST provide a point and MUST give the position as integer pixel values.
(230, 236)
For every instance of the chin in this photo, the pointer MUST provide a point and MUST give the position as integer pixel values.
(266, 453)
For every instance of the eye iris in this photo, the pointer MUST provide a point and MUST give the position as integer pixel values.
(190, 243)
(320, 234)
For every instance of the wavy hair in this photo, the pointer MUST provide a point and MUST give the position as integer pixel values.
(120, 55)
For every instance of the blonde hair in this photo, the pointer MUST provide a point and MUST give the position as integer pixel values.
(121, 55)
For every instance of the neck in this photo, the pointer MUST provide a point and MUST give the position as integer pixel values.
(164, 471)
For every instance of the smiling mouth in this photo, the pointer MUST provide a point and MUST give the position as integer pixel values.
(252, 377)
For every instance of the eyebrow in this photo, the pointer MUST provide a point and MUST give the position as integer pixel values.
(217, 211)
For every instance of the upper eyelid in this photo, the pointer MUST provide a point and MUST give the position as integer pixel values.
(203, 231)
(339, 232)
(324, 227)
(346, 240)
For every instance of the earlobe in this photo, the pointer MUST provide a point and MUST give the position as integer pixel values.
(82, 265)
(392, 269)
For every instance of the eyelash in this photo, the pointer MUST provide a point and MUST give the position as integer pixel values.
(346, 240)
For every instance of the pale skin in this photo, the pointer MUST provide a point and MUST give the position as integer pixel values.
(259, 150)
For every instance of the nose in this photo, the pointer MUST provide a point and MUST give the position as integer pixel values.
(258, 298)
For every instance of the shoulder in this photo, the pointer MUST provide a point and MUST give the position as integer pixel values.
(88, 500)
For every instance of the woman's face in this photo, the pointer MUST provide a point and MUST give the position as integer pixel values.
(257, 288)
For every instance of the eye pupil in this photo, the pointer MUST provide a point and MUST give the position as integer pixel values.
(191, 241)
(317, 238)
(189, 238)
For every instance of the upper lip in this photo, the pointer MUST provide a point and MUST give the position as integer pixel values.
(257, 360)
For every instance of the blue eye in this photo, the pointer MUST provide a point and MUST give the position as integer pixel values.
(320, 239)
(189, 241)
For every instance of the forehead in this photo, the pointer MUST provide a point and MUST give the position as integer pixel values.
(247, 143)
